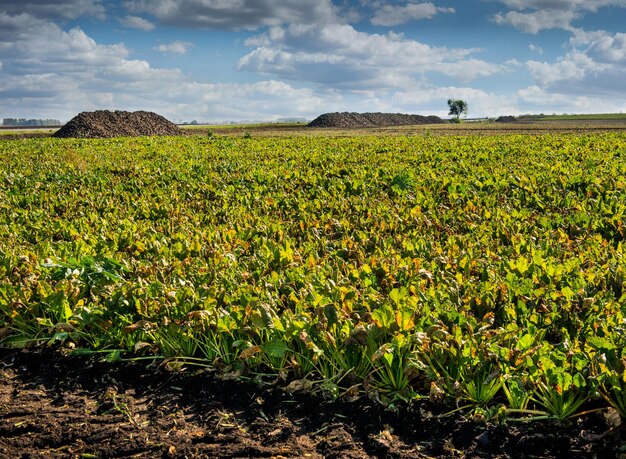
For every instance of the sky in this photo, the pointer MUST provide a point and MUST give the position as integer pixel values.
(236, 60)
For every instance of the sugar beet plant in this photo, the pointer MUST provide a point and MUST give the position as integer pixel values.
(484, 273)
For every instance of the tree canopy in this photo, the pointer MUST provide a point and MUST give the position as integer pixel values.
(457, 107)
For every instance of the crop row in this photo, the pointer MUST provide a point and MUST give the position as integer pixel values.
(482, 270)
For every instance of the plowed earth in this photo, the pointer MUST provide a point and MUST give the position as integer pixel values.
(59, 407)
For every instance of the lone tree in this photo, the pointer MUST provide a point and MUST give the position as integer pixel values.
(457, 107)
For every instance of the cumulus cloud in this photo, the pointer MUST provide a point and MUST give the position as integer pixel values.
(535, 21)
(338, 55)
(54, 67)
(609, 49)
(589, 5)
(239, 14)
(60, 9)
(262, 100)
(573, 67)
(534, 99)
(313, 62)
(29, 45)
(176, 47)
(51, 72)
(584, 37)
(137, 22)
(535, 48)
(481, 103)
(390, 15)
(599, 67)
(533, 16)
(593, 65)
(466, 70)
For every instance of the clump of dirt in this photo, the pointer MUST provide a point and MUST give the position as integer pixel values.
(106, 123)
(506, 119)
(368, 120)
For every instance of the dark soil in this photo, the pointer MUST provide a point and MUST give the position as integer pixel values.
(506, 119)
(368, 120)
(105, 123)
(71, 407)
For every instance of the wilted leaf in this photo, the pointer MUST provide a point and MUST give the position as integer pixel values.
(299, 385)
(612, 417)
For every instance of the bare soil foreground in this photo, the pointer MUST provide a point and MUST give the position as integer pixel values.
(57, 407)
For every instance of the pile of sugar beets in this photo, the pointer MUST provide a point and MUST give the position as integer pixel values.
(106, 123)
(369, 120)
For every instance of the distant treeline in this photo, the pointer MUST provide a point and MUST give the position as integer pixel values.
(25, 122)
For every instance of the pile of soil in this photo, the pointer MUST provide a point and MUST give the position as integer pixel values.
(506, 119)
(369, 120)
(57, 407)
(106, 123)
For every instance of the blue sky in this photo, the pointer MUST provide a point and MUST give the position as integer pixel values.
(214, 60)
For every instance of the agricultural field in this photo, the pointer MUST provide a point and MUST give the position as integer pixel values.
(579, 117)
(9, 133)
(531, 125)
(475, 279)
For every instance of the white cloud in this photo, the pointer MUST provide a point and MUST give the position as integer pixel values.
(589, 5)
(609, 49)
(481, 103)
(176, 47)
(593, 66)
(390, 15)
(537, 100)
(50, 67)
(533, 99)
(262, 100)
(584, 37)
(237, 14)
(535, 48)
(48, 72)
(59, 9)
(51, 72)
(511, 63)
(597, 69)
(33, 46)
(337, 55)
(137, 22)
(536, 21)
(572, 68)
(467, 70)
(533, 16)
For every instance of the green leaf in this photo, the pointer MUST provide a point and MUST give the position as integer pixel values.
(275, 349)
(384, 316)
(522, 265)
(600, 343)
(525, 342)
